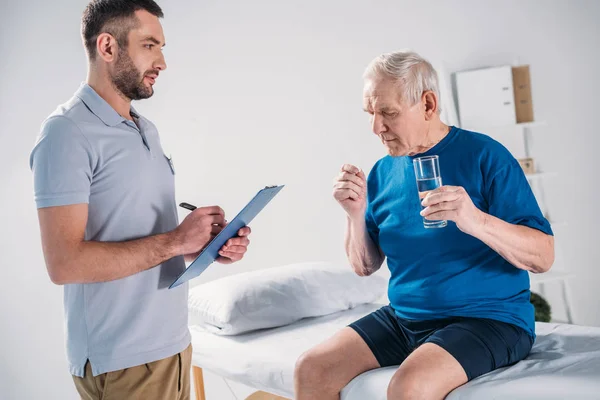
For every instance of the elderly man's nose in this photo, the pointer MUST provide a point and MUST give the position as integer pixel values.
(377, 125)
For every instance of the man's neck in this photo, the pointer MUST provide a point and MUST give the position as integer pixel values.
(106, 90)
(436, 133)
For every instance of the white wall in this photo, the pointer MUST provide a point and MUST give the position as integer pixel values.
(261, 93)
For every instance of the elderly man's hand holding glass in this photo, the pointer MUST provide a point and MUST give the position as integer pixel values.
(453, 203)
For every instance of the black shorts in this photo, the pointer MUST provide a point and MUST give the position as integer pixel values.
(479, 345)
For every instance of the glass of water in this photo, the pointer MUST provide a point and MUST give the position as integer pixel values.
(427, 172)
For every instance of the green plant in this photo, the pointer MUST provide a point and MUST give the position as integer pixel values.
(542, 308)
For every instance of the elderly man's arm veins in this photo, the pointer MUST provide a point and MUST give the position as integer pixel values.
(524, 247)
(364, 255)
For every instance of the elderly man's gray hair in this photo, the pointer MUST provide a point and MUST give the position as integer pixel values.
(410, 71)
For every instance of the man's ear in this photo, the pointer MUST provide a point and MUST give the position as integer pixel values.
(430, 103)
(107, 47)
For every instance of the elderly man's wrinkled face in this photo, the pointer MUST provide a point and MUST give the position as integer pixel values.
(400, 126)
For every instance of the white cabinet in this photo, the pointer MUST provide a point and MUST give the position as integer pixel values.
(485, 97)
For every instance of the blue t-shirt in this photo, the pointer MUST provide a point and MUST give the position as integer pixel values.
(443, 272)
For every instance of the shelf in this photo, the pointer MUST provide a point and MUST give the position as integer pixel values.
(539, 175)
(533, 124)
(549, 276)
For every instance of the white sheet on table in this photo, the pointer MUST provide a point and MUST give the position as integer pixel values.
(564, 362)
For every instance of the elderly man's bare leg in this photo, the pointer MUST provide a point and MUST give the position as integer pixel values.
(323, 371)
(428, 373)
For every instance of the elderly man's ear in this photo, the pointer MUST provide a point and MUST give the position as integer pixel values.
(429, 100)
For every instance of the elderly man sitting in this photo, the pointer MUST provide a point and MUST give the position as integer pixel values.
(459, 295)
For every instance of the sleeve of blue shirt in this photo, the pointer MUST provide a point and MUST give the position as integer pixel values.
(62, 164)
(511, 199)
(372, 227)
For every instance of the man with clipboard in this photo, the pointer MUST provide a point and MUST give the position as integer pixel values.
(106, 205)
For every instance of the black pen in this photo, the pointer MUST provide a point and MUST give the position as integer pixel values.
(188, 206)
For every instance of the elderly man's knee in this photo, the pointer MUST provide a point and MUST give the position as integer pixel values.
(310, 369)
(406, 387)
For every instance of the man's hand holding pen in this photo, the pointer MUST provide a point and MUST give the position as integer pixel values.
(201, 226)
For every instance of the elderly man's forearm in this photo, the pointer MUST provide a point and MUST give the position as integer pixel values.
(363, 254)
(524, 247)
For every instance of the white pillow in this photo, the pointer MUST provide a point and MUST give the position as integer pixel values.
(278, 296)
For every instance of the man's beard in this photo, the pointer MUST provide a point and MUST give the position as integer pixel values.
(128, 80)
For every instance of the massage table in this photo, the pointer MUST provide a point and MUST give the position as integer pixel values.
(564, 362)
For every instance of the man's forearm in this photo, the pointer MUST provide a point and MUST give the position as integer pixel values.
(93, 261)
(364, 255)
(524, 247)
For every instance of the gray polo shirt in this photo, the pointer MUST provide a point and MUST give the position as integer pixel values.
(88, 153)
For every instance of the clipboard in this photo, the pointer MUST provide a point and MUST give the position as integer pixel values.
(211, 251)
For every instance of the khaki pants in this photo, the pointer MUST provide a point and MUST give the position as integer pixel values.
(166, 379)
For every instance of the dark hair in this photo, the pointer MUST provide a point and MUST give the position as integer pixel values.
(115, 17)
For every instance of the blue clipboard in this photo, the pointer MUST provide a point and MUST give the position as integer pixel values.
(211, 251)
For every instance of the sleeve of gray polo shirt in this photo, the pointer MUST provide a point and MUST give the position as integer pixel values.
(62, 164)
